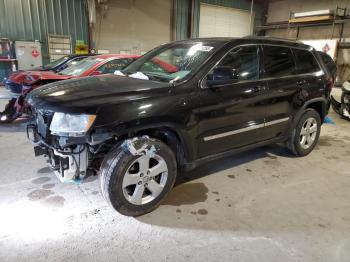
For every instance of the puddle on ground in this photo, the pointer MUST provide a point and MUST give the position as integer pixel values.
(187, 194)
(44, 170)
(202, 211)
(55, 201)
(272, 162)
(327, 141)
(48, 186)
(272, 157)
(332, 157)
(41, 180)
(39, 194)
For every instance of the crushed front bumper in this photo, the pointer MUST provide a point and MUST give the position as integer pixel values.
(69, 164)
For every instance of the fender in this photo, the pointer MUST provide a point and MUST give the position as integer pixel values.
(306, 105)
(184, 136)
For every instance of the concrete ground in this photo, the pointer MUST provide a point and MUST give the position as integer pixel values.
(262, 205)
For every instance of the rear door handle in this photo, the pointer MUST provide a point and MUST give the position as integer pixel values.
(301, 83)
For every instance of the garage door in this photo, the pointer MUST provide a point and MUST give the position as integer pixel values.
(133, 26)
(217, 21)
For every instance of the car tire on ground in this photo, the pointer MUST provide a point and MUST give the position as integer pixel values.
(135, 184)
(306, 133)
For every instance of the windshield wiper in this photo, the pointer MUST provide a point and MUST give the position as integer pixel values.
(163, 78)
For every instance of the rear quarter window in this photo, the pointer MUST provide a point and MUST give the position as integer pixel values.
(305, 62)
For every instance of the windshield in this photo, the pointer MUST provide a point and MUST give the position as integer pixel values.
(171, 62)
(56, 62)
(76, 69)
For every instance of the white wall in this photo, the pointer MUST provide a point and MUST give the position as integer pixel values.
(279, 11)
(132, 25)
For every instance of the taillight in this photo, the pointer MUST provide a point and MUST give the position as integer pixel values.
(330, 83)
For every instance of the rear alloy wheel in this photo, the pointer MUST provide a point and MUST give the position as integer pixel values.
(135, 184)
(308, 133)
(305, 135)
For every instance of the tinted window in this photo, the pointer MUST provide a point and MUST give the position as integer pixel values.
(305, 61)
(329, 63)
(242, 62)
(278, 61)
(117, 64)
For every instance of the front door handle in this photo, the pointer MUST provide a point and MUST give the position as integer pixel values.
(258, 89)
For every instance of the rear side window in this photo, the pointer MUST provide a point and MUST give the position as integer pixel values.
(278, 61)
(305, 62)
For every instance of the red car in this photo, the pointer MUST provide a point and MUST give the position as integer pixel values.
(94, 65)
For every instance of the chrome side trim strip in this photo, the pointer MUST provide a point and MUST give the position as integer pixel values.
(234, 132)
(277, 121)
(249, 128)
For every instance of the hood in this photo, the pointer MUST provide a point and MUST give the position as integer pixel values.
(89, 94)
(35, 76)
(32, 77)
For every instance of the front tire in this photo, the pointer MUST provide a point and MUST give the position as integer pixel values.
(306, 133)
(135, 184)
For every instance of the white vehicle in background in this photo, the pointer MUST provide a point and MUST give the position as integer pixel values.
(343, 107)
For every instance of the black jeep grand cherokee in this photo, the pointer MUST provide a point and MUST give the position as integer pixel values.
(179, 105)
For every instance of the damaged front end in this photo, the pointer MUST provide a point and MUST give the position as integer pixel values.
(70, 157)
(342, 108)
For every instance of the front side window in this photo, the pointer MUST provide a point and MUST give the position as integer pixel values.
(238, 65)
(171, 62)
(305, 61)
(278, 61)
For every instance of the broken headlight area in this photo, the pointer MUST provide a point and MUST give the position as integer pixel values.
(69, 157)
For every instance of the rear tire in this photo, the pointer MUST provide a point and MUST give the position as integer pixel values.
(135, 184)
(306, 133)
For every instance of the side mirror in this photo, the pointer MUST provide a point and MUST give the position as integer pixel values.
(222, 75)
(96, 73)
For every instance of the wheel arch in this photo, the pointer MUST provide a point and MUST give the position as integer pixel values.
(179, 143)
(318, 104)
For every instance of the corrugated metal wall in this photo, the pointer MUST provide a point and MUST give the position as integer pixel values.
(35, 19)
(183, 18)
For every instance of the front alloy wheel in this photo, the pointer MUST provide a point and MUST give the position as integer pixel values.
(135, 184)
(145, 179)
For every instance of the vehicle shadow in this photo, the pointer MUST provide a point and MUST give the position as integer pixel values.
(192, 204)
(233, 161)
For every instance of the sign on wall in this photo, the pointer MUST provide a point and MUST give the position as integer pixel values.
(328, 46)
(28, 54)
